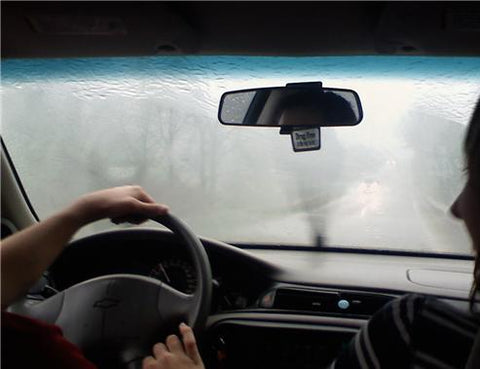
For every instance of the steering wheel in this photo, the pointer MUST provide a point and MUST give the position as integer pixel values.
(115, 319)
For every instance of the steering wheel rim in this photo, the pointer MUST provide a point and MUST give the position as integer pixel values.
(201, 265)
(124, 305)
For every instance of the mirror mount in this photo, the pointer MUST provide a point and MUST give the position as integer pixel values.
(305, 84)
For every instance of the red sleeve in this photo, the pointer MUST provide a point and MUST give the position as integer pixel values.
(29, 343)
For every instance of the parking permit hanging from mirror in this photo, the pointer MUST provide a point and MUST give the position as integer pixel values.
(307, 139)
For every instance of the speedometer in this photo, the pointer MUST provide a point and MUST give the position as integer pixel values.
(177, 273)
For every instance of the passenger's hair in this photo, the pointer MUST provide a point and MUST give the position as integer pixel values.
(472, 154)
(472, 147)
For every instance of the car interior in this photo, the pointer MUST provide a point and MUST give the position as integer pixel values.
(253, 304)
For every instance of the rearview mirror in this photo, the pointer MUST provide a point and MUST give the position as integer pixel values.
(295, 105)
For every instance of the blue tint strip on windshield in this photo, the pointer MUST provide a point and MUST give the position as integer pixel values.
(229, 66)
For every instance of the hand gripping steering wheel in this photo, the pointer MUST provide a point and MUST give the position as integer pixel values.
(115, 319)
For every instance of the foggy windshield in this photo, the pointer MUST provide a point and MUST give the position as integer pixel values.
(78, 125)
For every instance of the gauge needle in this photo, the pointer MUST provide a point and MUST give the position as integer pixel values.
(164, 272)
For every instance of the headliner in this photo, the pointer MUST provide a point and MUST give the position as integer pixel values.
(78, 29)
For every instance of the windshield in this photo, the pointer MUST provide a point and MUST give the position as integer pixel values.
(78, 125)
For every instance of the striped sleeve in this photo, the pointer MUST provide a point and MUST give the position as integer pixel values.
(385, 341)
(443, 337)
(412, 332)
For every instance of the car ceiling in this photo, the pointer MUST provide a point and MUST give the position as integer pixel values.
(81, 29)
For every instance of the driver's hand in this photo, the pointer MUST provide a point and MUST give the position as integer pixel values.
(121, 204)
(176, 354)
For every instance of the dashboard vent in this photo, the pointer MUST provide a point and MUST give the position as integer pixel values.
(341, 302)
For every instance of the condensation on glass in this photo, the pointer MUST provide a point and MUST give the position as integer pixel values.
(73, 126)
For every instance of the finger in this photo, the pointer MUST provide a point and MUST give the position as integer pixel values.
(133, 219)
(159, 349)
(117, 220)
(144, 196)
(146, 199)
(140, 194)
(190, 343)
(174, 344)
(136, 212)
(150, 363)
(149, 209)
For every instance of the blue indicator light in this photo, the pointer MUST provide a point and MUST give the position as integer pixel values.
(343, 304)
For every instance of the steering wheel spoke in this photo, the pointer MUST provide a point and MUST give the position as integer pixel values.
(177, 306)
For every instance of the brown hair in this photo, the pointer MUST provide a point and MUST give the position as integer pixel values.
(472, 147)
(472, 153)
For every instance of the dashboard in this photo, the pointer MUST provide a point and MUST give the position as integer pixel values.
(159, 254)
(270, 308)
